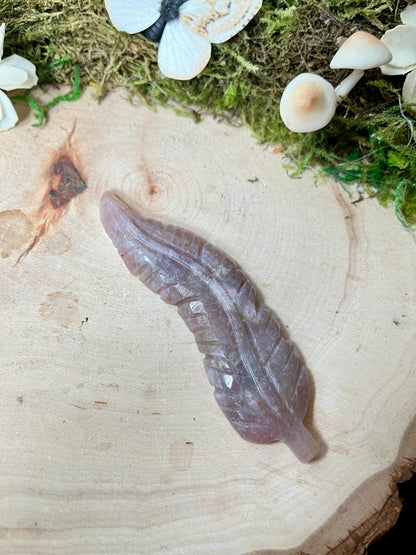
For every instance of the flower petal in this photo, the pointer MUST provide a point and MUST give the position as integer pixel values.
(401, 41)
(133, 16)
(2, 33)
(8, 116)
(218, 20)
(394, 70)
(408, 15)
(409, 87)
(11, 77)
(182, 54)
(17, 73)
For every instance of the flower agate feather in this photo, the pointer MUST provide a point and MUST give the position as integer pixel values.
(259, 382)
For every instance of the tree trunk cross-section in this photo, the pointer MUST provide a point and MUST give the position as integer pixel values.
(111, 439)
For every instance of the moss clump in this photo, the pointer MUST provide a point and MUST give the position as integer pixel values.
(370, 142)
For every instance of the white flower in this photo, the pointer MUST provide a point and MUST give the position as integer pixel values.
(402, 43)
(185, 28)
(15, 73)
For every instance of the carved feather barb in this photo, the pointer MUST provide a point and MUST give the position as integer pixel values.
(259, 382)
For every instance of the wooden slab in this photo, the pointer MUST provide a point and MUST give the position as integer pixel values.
(111, 439)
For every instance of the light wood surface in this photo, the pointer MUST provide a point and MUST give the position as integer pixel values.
(111, 440)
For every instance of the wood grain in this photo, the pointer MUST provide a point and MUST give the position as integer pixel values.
(111, 439)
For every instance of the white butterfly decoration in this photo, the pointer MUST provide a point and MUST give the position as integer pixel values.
(185, 28)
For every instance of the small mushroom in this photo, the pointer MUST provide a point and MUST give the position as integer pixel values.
(359, 52)
(308, 103)
(409, 87)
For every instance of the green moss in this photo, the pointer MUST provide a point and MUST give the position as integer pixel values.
(370, 142)
(39, 111)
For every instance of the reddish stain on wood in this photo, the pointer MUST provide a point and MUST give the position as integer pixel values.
(69, 182)
(64, 180)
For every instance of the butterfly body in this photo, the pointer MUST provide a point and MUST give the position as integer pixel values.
(169, 10)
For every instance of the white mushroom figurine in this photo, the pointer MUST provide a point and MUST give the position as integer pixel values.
(308, 103)
(359, 52)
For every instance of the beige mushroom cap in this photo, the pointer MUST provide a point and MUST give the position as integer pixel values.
(308, 103)
(361, 50)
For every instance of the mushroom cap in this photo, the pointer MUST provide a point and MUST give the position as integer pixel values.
(409, 87)
(308, 103)
(361, 50)
(401, 41)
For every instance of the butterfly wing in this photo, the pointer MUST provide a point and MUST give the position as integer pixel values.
(218, 20)
(133, 16)
(182, 53)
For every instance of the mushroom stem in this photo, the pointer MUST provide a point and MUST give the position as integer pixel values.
(348, 83)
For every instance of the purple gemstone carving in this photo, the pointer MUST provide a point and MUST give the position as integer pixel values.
(259, 382)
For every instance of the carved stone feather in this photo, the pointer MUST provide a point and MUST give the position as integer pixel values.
(259, 382)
